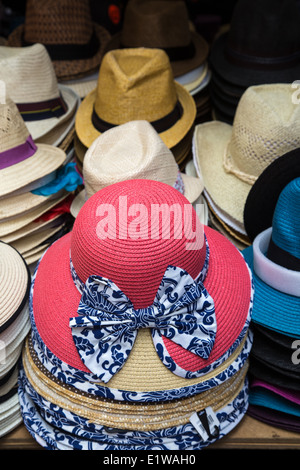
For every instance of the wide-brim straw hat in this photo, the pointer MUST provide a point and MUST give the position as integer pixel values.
(136, 84)
(47, 107)
(144, 264)
(23, 160)
(274, 258)
(230, 158)
(274, 398)
(269, 372)
(253, 52)
(10, 414)
(162, 25)
(133, 150)
(74, 42)
(274, 418)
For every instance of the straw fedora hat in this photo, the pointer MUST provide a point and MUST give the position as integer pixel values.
(74, 43)
(22, 161)
(133, 150)
(30, 81)
(231, 158)
(136, 84)
(155, 364)
(274, 259)
(162, 24)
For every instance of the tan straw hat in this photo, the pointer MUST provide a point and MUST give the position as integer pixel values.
(230, 158)
(31, 83)
(21, 160)
(133, 150)
(75, 44)
(136, 84)
(163, 25)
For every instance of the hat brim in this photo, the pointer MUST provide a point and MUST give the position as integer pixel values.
(275, 418)
(83, 86)
(247, 76)
(272, 375)
(70, 69)
(227, 192)
(179, 67)
(87, 133)
(262, 198)
(228, 282)
(269, 305)
(55, 129)
(44, 161)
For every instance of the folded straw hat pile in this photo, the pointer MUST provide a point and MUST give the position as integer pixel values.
(14, 326)
(164, 366)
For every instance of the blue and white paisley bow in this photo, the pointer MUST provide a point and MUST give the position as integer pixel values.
(107, 323)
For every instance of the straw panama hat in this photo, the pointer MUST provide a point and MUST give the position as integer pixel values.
(163, 25)
(136, 84)
(231, 158)
(144, 261)
(133, 150)
(31, 83)
(74, 42)
(22, 161)
(274, 260)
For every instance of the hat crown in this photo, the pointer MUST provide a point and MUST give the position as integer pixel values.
(257, 28)
(28, 74)
(135, 84)
(286, 220)
(156, 23)
(137, 252)
(13, 131)
(133, 150)
(58, 22)
(266, 125)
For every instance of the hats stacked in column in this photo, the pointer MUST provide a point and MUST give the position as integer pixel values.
(262, 46)
(14, 326)
(272, 218)
(140, 328)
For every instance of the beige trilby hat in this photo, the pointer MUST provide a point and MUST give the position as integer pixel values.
(21, 160)
(132, 151)
(136, 84)
(31, 83)
(230, 158)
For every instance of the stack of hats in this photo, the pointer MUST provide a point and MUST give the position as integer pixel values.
(48, 108)
(140, 338)
(229, 159)
(74, 42)
(35, 185)
(272, 216)
(262, 46)
(14, 326)
(137, 84)
(162, 24)
(134, 150)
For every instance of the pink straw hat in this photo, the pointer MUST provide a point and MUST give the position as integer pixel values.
(136, 261)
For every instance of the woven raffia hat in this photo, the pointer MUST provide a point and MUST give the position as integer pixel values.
(157, 363)
(231, 158)
(21, 160)
(163, 25)
(30, 81)
(136, 84)
(274, 259)
(74, 43)
(132, 151)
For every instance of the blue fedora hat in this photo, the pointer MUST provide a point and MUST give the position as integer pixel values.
(274, 258)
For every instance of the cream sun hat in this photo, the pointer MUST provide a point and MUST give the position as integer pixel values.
(136, 84)
(230, 158)
(132, 151)
(31, 83)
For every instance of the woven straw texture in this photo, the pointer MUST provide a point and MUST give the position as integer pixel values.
(14, 282)
(161, 24)
(65, 22)
(144, 417)
(136, 84)
(230, 158)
